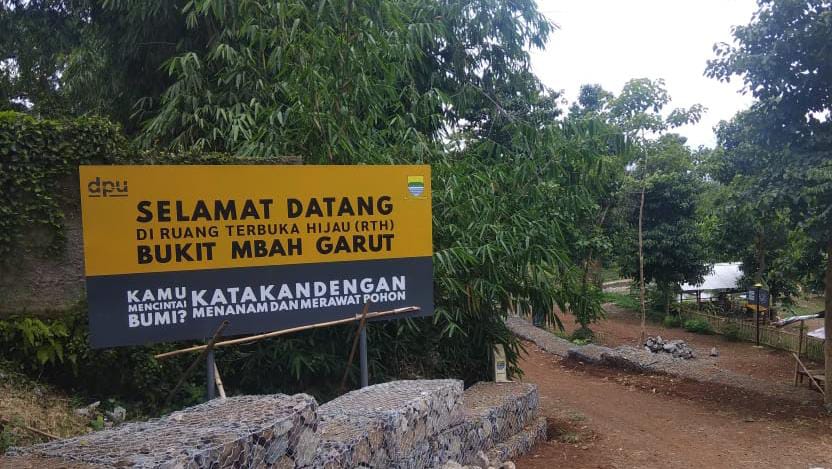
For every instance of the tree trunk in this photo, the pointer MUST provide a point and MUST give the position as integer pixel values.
(827, 324)
(641, 261)
(761, 258)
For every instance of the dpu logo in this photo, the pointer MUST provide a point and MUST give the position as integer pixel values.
(105, 188)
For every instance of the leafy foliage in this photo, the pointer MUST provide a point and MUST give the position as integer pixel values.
(671, 321)
(674, 251)
(517, 196)
(731, 332)
(673, 248)
(319, 80)
(57, 350)
(34, 155)
(622, 300)
(781, 146)
(698, 325)
(33, 337)
(782, 58)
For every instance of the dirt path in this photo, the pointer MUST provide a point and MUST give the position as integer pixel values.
(601, 418)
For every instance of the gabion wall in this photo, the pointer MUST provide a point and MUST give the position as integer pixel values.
(403, 424)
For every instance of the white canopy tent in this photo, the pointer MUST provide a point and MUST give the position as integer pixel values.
(723, 276)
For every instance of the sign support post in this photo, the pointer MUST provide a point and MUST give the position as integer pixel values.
(210, 375)
(362, 356)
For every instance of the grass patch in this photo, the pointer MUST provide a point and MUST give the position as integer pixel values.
(27, 402)
(623, 300)
(670, 321)
(583, 333)
(731, 332)
(608, 274)
(576, 416)
(699, 326)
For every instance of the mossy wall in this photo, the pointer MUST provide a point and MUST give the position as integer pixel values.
(41, 243)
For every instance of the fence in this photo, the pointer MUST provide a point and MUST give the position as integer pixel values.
(771, 336)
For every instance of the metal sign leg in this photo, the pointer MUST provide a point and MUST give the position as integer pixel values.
(210, 367)
(362, 356)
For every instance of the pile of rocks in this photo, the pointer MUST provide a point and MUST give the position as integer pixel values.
(677, 348)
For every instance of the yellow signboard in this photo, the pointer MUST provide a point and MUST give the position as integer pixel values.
(152, 229)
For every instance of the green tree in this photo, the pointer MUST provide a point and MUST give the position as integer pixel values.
(78, 57)
(783, 58)
(674, 251)
(593, 242)
(36, 37)
(637, 111)
(593, 100)
(756, 220)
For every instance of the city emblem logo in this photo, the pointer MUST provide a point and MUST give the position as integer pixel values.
(416, 185)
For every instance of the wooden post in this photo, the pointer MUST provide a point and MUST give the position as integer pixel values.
(356, 340)
(641, 252)
(799, 349)
(800, 340)
(34, 430)
(362, 358)
(827, 324)
(218, 380)
(757, 316)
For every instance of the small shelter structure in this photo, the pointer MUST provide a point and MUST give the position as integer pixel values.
(723, 278)
(816, 377)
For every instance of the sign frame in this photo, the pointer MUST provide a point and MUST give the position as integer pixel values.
(339, 231)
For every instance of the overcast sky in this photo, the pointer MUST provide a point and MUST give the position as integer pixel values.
(611, 41)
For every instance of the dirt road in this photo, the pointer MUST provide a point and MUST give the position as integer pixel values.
(601, 418)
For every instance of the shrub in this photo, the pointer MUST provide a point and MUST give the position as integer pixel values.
(582, 334)
(622, 300)
(671, 321)
(699, 326)
(57, 351)
(731, 332)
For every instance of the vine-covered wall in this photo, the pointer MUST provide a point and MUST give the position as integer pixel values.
(41, 248)
(41, 243)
